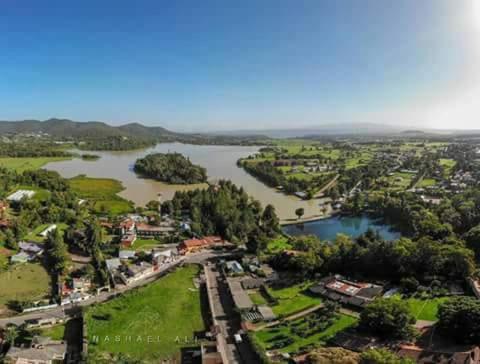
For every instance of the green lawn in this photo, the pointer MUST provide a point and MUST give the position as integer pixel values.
(146, 244)
(24, 282)
(293, 299)
(56, 332)
(426, 182)
(401, 180)
(23, 164)
(267, 337)
(425, 309)
(164, 312)
(103, 193)
(257, 298)
(448, 165)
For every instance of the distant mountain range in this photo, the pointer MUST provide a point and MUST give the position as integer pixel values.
(355, 129)
(325, 130)
(65, 128)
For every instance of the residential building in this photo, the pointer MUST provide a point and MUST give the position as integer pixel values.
(234, 267)
(45, 232)
(148, 230)
(21, 257)
(81, 285)
(160, 257)
(126, 254)
(352, 293)
(128, 240)
(138, 271)
(20, 194)
(430, 355)
(127, 226)
(113, 264)
(193, 245)
(30, 248)
(41, 351)
(267, 313)
(240, 297)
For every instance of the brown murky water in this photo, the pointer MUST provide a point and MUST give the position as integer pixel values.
(220, 162)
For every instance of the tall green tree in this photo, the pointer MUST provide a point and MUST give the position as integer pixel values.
(388, 318)
(270, 221)
(56, 252)
(459, 318)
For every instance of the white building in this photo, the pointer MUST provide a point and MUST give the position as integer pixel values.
(20, 194)
(45, 232)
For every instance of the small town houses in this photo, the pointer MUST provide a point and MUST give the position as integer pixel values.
(28, 252)
(76, 290)
(135, 226)
(339, 289)
(130, 267)
(207, 242)
(42, 350)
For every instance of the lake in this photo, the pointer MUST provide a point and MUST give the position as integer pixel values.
(327, 229)
(220, 162)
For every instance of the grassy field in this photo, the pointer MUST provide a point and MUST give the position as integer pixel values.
(103, 193)
(293, 299)
(267, 337)
(24, 282)
(425, 309)
(401, 181)
(257, 298)
(23, 164)
(163, 311)
(56, 332)
(146, 244)
(426, 182)
(448, 165)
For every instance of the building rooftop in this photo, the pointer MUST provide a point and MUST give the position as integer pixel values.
(126, 254)
(42, 350)
(18, 195)
(113, 263)
(266, 313)
(240, 297)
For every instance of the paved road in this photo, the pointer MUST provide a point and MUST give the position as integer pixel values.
(71, 310)
(228, 320)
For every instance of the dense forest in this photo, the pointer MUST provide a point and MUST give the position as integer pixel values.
(226, 210)
(31, 149)
(171, 168)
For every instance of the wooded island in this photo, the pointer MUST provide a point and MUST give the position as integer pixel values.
(172, 168)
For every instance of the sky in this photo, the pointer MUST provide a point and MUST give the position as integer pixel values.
(234, 65)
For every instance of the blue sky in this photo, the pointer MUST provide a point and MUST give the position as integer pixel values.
(209, 65)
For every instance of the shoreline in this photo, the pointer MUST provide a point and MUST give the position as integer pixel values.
(288, 222)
